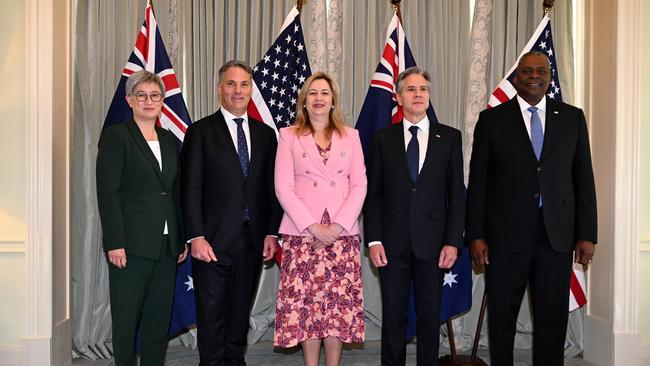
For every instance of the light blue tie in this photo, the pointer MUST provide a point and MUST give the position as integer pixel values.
(242, 152)
(536, 136)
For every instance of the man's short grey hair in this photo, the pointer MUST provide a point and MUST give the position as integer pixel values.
(534, 53)
(143, 76)
(408, 72)
(235, 63)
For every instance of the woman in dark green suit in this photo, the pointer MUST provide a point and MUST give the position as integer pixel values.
(138, 173)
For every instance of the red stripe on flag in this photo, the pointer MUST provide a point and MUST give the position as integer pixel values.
(577, 290)
(170, 81)
(141, 44)
(382, 83)
(181, 126)
(253, 112)
(500, 95)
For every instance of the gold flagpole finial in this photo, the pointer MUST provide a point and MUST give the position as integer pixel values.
(548, 4)
(396, 7)
(299, 4)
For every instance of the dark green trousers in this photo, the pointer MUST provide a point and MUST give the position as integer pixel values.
(142, 294)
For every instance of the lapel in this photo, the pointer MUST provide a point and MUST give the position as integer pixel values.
(397, 138)
(167, 147)
(517, 126)
(433, 145)
(551, 129)
(309, 146)
(144, 148)
(221, 130)
(255, 129)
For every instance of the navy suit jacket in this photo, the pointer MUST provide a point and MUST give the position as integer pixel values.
(506, 179)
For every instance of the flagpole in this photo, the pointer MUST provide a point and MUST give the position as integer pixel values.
(396, 8)
(299, 4)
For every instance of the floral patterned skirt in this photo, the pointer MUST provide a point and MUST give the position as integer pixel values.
(320, 293)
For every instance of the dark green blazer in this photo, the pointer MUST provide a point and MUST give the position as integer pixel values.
(134, 196)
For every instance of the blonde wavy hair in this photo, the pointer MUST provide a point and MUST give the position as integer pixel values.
(302, 124)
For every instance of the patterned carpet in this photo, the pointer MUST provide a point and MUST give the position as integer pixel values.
(263, 354)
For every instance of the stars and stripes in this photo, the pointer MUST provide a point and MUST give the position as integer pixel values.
(279, 75)
(150, 54)
(542, 40)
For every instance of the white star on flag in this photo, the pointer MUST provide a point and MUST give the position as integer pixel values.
(189, 283)
(450, 279)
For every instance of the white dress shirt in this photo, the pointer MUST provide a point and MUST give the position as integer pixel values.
(423, 137)
(232, 128)
(541, 111)
(155, 149)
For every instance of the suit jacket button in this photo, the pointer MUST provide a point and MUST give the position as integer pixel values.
(536, 195)
(332, 184)
(413, 189)
(539, 168)
(307, 172)
(163, 193)
(315, 184)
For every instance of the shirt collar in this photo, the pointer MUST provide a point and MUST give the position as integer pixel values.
(423, 124)
(523, 105)
(230, 117)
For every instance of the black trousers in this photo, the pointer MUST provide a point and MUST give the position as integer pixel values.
(142, 294)
(396, 278)
(224, 291)
(549, 275)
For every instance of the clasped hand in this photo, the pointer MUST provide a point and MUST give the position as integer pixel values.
(324, 234)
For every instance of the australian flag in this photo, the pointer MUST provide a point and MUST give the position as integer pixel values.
(379, 110)
(150, 54)
(277, 79)
(542, 41)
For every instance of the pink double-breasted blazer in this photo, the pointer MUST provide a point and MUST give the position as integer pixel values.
(306, 187)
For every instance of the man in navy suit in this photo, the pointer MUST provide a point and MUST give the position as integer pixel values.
(413, 217)
(230, 214)
(531, 204)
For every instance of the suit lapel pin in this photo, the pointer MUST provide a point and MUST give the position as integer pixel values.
(437, 136)
(556, 112)
(343, 154)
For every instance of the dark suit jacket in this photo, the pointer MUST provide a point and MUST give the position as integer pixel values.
(214, 190)
(423, 216)
(135, 198)
(506, 178)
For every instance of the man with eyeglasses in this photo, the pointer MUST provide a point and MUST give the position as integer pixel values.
(231, 214)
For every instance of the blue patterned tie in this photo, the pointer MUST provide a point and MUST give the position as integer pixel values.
(242, 152)
(413, 153)
(536, 136)
(242, 147)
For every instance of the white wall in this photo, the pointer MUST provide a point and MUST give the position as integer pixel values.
(644, 186)
(12, 166)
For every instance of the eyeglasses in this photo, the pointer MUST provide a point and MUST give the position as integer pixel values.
(142, 97)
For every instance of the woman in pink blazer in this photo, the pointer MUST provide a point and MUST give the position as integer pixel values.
(320, 181)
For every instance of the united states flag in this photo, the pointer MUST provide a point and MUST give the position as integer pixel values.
(542, 40)
(279, 75)
(379, 110)
(277, 79)
(150, 54)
